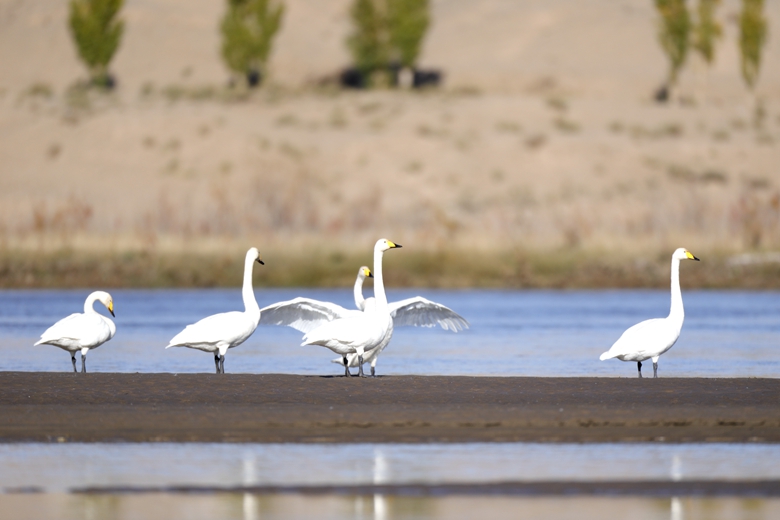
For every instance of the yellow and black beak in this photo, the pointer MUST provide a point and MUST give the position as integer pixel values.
(111, 309)
(393, 244)
(370, 274)
(260, 262)
(690, 256)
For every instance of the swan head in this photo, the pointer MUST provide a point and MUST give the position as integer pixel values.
(384, 244)
(106, 299)
(364, 272)
(683, 254)
(254, 255)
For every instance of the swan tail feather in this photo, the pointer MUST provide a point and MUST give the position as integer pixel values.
(606, 355)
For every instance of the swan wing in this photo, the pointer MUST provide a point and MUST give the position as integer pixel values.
(227, 327)
(304, 314)
(79, 330)
(644, 340)
(346, 333)
(420, 312)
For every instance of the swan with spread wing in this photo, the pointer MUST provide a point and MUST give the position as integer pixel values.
(306, 314)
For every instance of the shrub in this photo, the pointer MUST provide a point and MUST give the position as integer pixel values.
(97, 33)
(248, 29)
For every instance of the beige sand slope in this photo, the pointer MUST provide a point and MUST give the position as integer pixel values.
(544, 134)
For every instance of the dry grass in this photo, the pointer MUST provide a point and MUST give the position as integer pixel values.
(510, 269)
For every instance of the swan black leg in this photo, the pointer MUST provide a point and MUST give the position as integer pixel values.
(73, 358)
(655, 369)
(360, 364)
(639, 367)
(346, 367)
(216, 362)
(83, 364)
(222, 364)
(373, 371)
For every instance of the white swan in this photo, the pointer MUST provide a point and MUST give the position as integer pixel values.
(306, 314)
(363, 331)
(226, 330)
(651, 338)
(82, 331)
(416, 311)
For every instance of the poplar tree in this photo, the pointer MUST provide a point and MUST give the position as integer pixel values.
(707, 30)
(97, 31)
(752, 37)
(674, 34)
(387, 32)
(369, 39)
(408, 21)
(248, 30)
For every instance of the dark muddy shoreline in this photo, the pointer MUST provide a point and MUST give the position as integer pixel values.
(68, 407)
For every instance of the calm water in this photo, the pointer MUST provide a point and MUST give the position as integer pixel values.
(56, 469)
(532, 333)
(246, 506)
(71, 466)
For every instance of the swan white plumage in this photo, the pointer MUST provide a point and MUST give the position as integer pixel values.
(306, 314)
(82, 331)
(651, 338)
(416, 311)
(226, 330)
(363, 331)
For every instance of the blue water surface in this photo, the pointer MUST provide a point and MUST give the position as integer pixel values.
(513, 333)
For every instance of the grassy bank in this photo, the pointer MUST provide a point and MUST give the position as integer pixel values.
(322, 268)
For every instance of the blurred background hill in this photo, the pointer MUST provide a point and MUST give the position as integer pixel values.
(542, 160)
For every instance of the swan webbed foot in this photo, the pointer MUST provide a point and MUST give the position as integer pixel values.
(639, 368)
(83, 364)
(222, 364)
(216, 362)
(73, 358)
(655, 370)
(360, 366)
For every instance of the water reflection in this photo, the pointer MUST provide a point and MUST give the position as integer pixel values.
(676, 509)
(380, 477)
(272, 507)
(63, 467)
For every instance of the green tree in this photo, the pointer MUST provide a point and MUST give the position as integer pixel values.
(707, 30)
(97, 32)
(369, 40)
(408, 21)
(248, 30)
(385, 32)
(752, 37)
(674, 34)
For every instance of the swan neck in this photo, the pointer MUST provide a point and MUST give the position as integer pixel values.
(89, 304)
(676, 310)
(250, 303)
(379, 283)
(360, 302)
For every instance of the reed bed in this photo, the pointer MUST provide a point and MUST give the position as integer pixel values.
(322, 267)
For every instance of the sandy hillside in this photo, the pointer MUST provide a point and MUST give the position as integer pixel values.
(544, 135)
